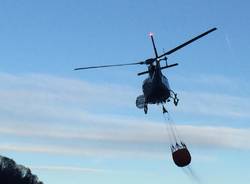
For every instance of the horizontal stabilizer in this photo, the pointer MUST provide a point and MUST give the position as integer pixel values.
(168, 66)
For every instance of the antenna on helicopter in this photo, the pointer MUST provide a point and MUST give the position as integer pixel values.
(165, 58)
(153, 42)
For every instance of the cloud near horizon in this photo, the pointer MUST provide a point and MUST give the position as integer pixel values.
(68, 168)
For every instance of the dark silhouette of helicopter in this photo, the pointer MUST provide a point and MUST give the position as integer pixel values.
(156, 89)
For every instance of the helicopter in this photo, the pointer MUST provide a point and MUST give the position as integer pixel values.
(155, 87)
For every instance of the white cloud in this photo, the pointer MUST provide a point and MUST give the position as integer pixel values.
(130, 136)
(42, 91)
(57, 97)
(213, 82)
(214, 104)
(50, 108)
(81, 152)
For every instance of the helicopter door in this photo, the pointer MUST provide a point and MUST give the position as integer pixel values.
(140, 101)
(165, 81)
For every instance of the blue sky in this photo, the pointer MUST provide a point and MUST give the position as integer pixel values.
(85, 127)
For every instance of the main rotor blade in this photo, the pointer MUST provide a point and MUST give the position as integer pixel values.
(105, 66)
(188, 42)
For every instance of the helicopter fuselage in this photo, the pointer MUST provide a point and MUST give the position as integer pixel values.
(156, 88)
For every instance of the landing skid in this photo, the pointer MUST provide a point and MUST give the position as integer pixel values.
(164, 110)
(174, 97)
(145, 108)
